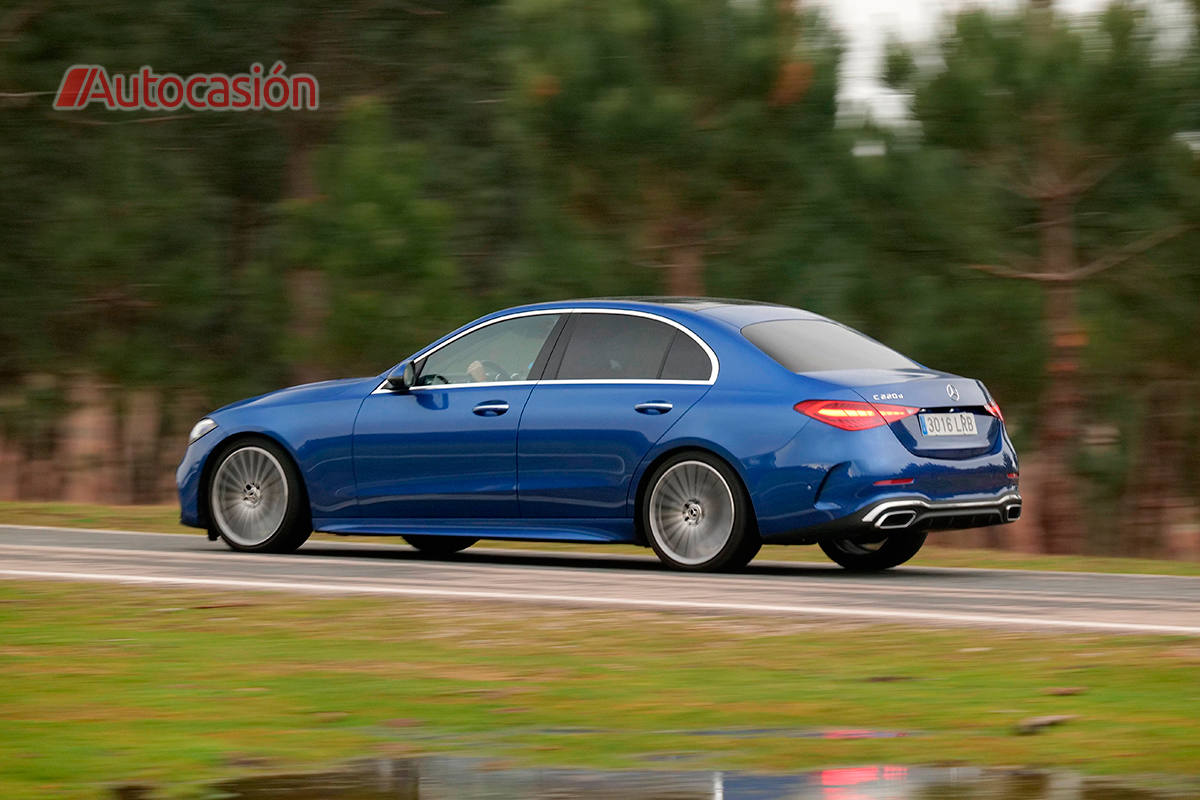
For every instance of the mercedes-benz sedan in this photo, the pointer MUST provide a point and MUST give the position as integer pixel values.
(700, 428)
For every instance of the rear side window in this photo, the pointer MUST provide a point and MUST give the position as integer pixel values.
(615, 346)
(686, 360)
(809, 345)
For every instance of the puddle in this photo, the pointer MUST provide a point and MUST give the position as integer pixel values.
(451, 778)
(795, 733)
(727, 733)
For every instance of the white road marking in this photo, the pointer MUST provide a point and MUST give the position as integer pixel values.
(598, 553)
(854, 591)
(591, 600)
(837, 585)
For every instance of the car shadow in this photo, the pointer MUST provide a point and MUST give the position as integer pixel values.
(600, 561)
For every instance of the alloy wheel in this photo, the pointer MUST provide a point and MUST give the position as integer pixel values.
(692, 512)
(249, 496)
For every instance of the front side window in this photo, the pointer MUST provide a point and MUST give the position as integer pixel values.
(501, 351)
(622, 347)
(810, 345)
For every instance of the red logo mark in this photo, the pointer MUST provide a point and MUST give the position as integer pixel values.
(256, 90)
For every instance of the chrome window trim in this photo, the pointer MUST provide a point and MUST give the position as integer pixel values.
(714, 362)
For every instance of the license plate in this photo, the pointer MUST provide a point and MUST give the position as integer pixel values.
(960, 424)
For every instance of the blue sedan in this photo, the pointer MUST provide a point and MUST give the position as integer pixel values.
(701, 428)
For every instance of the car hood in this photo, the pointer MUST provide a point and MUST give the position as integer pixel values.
(307, 393)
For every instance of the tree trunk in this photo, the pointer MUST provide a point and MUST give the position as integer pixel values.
(1158, 494)
(685, 272)
(87, 455)
(685, 259)
(308, 303)
(299, 179)
(10, 469)
(1059, 510)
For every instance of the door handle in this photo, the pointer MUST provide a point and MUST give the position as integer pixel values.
(491, 408)
(657, 407)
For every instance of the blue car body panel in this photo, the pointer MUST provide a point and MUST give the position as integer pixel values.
(313, 422)
(427, 454)
(566, 459)
(580, 446)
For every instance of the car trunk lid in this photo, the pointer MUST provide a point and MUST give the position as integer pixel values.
(952, 419)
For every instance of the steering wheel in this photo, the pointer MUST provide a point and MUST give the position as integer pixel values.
(493, 371)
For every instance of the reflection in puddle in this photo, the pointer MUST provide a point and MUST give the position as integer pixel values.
(795, 733)
(475, 779)
(728, 733)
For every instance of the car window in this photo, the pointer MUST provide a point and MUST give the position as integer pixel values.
(686, 360)
(502, 351)
(615, 346)
(810, 345)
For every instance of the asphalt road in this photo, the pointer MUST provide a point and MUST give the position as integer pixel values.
(921, 596)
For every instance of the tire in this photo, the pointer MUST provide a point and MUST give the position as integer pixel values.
(439, 545)
(696, 516)
(256, 499)
(873, 556)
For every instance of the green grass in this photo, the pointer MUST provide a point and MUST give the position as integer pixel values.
(178, 687)
(165, 519)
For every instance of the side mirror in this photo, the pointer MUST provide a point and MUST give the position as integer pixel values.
(402, 378)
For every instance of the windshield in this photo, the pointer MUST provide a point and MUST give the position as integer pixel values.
(809, 345)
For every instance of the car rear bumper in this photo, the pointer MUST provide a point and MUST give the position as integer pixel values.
(921, 514)
(913, 514)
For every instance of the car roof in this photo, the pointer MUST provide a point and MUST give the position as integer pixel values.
(737, 313)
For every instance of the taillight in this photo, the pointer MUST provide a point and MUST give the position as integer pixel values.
(853, 416)
(992, 407)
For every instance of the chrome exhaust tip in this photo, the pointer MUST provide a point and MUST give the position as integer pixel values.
(1012, 513)
(894, 520)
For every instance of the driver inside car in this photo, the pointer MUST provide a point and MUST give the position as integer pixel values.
(478, 373)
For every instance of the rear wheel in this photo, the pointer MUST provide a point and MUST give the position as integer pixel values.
(873, 554)
(439, 545)
(256, 499)
(696, 515)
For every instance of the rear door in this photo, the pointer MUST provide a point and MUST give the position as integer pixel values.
(617, 381)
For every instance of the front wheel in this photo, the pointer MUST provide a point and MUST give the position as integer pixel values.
(873, 554)
(256, 500)
(696, 515)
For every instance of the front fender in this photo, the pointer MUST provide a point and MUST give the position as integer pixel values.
(313, 424)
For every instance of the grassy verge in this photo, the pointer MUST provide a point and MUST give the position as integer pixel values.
(165, 519)
(176, 687)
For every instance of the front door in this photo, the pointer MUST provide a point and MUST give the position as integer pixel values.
(448, 447)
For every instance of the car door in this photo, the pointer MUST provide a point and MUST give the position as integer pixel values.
(616, 382)
(448, 446)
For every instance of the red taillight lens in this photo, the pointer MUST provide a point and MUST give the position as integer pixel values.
(852, 416)
(993, 408)
(893, 413)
